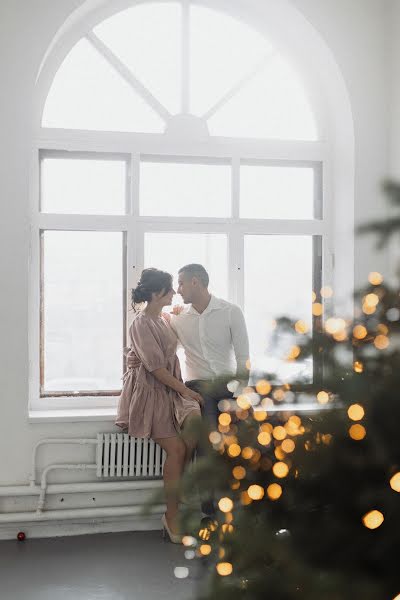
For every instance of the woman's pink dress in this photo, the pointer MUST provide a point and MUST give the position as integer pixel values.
(148, 408)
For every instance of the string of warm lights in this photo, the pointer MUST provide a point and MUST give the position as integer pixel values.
(263, 456)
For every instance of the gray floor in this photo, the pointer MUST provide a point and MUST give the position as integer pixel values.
(117, 566)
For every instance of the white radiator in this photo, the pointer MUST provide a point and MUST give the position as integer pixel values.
(119, 455)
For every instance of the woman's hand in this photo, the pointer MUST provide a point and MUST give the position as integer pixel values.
(177, 309)
(191, 395)
(132, 361)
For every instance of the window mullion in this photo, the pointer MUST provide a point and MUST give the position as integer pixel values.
(238, 86)
(236, 262)
(185, 53)
(131, 270)
(128, 76)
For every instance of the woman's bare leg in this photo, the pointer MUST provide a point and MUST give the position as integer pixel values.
(172, 473)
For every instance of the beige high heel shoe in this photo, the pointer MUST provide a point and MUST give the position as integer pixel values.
(173, 537)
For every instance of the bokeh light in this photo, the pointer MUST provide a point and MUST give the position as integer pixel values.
(188, 540)
(357, 432)
(279, 432)
(373, 519)
(256, 492)
(326, 291)
(381, 342)
(263, 438)
(260, 415)
(375, 278)
(317, 309)
(360, 332)
(243, 402)
(224, 419)
(234, 450)
(288, 446)
(224, 569)
(204, 534)
(279, 395)
(301, 327)
(239, 472)
(334, 325)
(205, 549)
(279, 453)
(263, 387)
(181, 572)
(247, 452)
(274, 491)
(368, 309)
(215, 437)
(225, 505)
(280, 469)
(356, 412)
(294, 353)
(395, 482)
(323, 397)
(371, 300)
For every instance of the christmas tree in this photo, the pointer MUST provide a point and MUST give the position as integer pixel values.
(309, 501)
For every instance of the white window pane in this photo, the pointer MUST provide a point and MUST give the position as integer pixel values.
(83, 186)
(278, 282)
(146, 38)
(185, 189)
(82, 316)
(222, 51)
(171, 251)
(87, 93)
(272, 105)
(271, 192)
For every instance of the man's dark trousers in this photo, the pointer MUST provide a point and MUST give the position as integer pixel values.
(212, 392)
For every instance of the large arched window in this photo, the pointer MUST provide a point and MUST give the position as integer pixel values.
(172, 133)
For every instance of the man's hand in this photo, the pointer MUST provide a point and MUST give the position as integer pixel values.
(192, 395)
(132, 361)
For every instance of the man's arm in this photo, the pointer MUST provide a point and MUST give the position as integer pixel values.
(240, 341)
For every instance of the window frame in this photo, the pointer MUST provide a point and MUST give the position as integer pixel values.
(134, 226)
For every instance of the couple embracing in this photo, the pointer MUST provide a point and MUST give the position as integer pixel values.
(155, 403)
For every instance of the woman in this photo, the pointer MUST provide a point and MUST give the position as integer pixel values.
(155, 402)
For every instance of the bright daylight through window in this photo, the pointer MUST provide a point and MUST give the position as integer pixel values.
(172, 134)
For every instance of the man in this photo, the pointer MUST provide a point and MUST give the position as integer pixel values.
(214, 336)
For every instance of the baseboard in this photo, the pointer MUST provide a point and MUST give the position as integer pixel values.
(43, 529)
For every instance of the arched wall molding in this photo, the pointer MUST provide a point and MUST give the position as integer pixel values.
(297, 39)
(299, 42)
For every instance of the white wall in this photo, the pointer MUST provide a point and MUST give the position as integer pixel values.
(394, 106)
(357, 33)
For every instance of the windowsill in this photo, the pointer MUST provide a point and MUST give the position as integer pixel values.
(78, 415)
(72, 415)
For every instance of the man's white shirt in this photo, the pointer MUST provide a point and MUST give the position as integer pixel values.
(215, 341)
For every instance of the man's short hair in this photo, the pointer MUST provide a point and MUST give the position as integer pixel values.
(198, 271)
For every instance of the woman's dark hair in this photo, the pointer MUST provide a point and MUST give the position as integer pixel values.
(151, 281)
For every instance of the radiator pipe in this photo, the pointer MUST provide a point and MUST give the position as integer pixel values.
(79, 513)
(80, 441)
(68, 467)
